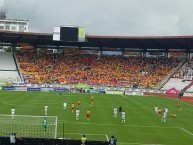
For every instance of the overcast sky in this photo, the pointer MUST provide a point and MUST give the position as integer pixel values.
(106, 17)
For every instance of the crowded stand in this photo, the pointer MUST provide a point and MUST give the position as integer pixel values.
(133, 71)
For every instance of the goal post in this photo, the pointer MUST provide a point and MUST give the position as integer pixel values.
(28, 126)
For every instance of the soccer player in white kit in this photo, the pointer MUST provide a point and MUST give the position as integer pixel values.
(123, 116)
(77, 114)
(12, 112)
(115, 112)
(65, 105)
(164, 117)
(166, 110)
(46, 109)
(156, 109)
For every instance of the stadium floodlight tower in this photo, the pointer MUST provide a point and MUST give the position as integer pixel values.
(12, 24)
(3, 15)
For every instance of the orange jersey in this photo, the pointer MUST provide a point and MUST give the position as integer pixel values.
(173, 115)
(73, 106)
(92, 98)
(78, 103)
(87, 114)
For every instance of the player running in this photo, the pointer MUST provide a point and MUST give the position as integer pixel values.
(65, 105)
(88, 114)
(115, 112)
(164, 117)
(166, 110)
(46, 109)
(179, 107)
(156, 109)
(123, 114)
(12, 112)
(92, 100)
(78, 103)
(72, 107)
(159, 111)
(173, 115)
(77, 114)
(45, 125)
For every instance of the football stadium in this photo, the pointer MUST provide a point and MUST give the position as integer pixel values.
(70, 88)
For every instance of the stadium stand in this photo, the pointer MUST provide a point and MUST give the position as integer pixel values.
(182, 79)
(35, 141)
(134, 72)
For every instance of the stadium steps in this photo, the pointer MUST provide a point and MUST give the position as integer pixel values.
(8, 69)
(169, 76)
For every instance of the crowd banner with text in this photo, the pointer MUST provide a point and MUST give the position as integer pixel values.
(20, 88)
(95, 91)
(8, 88)
(115, 92)
(34, 89)
(60, 90)
(136, 93)
(47, 89)
(172, 91)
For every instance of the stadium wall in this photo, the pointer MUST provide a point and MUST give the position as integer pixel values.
(35, 141)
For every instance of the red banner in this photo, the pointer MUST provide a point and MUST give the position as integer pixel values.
(172, 91)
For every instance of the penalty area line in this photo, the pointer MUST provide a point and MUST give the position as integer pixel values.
(186, 131)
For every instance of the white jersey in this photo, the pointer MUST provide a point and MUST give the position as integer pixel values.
(46, 108)
(13, 111)
(123, 115)
(77, 113)
(115, 110)
(65, 104)
(156, 109)
(164, 115)
(166, 110)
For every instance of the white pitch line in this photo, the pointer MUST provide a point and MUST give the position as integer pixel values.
(125, 125)
(123, 96)
(83, 133)
(107, 137)
(186, 131)
(138, 143)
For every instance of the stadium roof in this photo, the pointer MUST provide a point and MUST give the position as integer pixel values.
(44, 40)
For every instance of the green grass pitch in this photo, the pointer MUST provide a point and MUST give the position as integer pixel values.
(142, 125)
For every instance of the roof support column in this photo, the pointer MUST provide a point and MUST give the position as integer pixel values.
(166, 53)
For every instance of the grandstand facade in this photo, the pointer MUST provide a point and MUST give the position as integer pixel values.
(133, 62)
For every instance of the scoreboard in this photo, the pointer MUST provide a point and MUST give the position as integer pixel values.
(69, 34)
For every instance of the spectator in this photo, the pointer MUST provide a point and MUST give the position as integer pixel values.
(113, 141)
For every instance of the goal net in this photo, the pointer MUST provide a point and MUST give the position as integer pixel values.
(28, 126)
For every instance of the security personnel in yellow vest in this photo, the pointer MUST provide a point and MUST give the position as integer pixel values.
(83, 140)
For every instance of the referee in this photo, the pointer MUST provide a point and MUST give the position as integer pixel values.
(120, 109)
